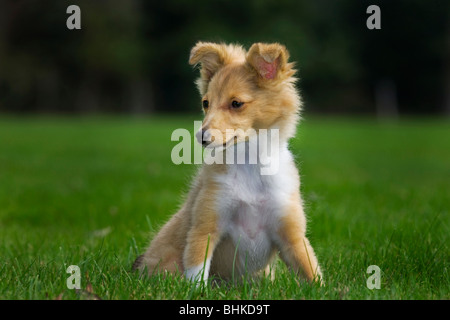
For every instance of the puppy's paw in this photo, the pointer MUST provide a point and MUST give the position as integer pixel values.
(197, 274)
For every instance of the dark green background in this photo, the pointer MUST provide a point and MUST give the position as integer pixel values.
(131, 56)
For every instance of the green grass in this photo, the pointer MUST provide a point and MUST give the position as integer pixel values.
(88, 192)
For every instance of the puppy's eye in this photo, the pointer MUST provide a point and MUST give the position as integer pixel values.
(236, 104)
(205, 104)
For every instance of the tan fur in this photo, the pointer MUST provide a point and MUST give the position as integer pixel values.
(296, 250)
(263, 80)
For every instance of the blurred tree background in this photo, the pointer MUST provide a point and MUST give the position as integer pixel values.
(131, 56)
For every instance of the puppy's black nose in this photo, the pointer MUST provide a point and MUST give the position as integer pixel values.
(203, 136)
(204, 142)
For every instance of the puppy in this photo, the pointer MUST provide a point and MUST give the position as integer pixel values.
(236, 219)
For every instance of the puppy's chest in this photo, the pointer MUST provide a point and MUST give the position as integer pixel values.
(250, 205)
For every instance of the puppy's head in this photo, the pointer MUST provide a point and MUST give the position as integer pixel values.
(244, 91)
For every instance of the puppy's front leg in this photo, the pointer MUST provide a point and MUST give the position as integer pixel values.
(202, 239)
(295, 248)
(198, 254)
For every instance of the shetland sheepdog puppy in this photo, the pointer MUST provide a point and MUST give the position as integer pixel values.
(235, 219)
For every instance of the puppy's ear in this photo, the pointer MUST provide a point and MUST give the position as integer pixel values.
(270, 61)
(210, 56)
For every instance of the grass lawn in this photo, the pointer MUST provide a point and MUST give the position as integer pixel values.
(88, 192)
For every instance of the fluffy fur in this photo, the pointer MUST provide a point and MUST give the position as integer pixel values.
(234, 219)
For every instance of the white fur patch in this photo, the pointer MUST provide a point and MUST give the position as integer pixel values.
(197, 273)
(250, 206)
